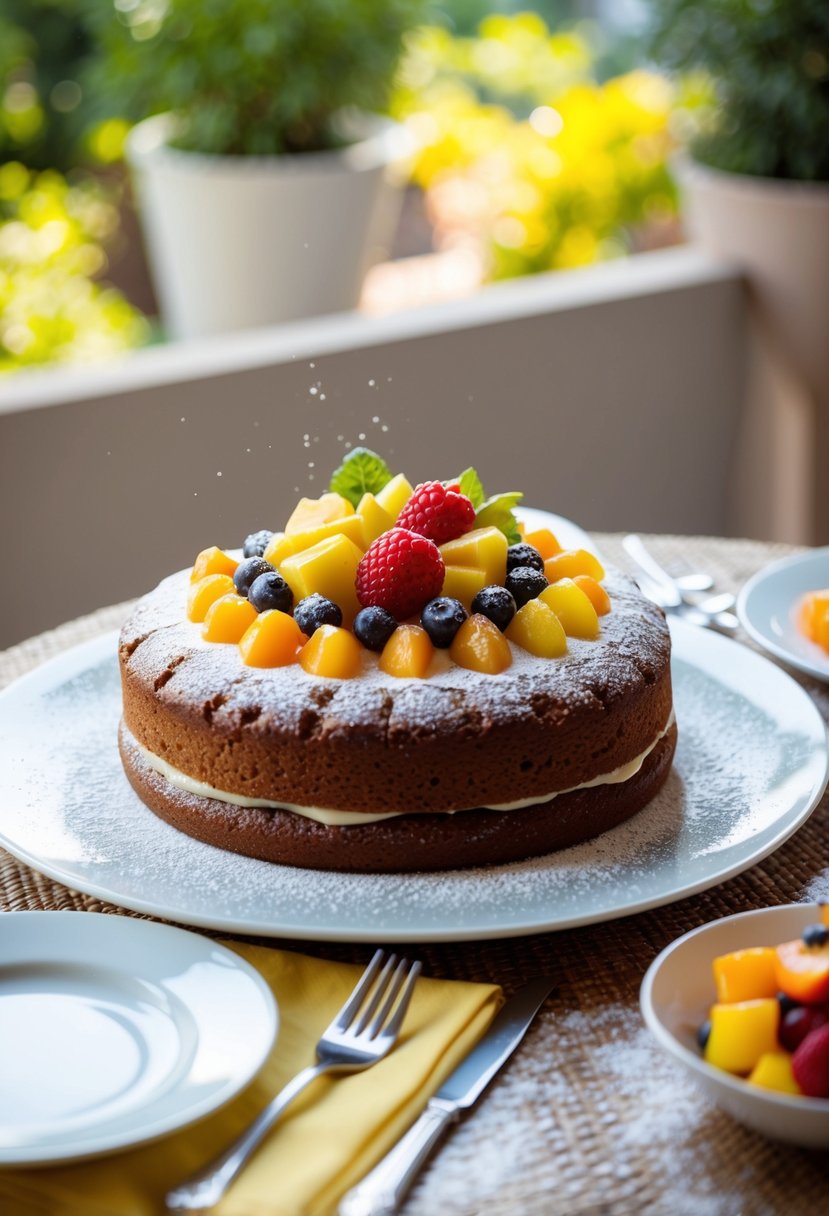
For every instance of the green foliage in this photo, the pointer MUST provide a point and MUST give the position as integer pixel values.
(768, 61)
(251, 77)
(525, 157)
(361, 472)
(51, 249)
(43, 109)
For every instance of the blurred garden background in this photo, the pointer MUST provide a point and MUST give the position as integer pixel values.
(542, 136)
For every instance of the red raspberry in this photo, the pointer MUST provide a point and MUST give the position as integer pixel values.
(400, 572)
(437, 512)
(810, 1063)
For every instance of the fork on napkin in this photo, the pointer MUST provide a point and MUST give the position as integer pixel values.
(330, 1137)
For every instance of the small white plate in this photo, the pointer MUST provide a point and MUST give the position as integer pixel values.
(115, 1031)
(767, 607)
(677, 992)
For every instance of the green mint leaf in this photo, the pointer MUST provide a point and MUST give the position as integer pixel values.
(470, 484)
(497, 512)
(361, 472)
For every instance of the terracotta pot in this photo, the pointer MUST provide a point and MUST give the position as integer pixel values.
(242, 241)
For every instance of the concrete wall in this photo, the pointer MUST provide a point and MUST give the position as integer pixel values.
(611, 395)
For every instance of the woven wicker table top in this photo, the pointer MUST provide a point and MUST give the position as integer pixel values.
(589, 1117)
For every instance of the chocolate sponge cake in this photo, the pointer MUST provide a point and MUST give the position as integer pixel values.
(381, 773)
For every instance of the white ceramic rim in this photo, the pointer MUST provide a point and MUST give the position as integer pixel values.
(786, 655)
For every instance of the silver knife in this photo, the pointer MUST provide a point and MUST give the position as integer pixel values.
(383, 1190)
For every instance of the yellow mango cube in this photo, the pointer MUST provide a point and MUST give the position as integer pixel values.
(395, 494)
(480, 646)
(273, 640)
(573, 609)
(741, 1033)
(483, 549)
(745, 975)
(375, 518)
(332, 652)
(351, 526)
(571, 562)
(774, 1071)
(212, 561)
(536, 628)
(329, 568)
(204, 592)
(463, 583)
(407, 653)
(312, 513)
(228, 618)
(543, 541)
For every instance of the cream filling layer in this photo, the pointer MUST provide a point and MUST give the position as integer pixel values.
(352, 818)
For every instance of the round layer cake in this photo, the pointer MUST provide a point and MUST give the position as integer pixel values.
(381, 774)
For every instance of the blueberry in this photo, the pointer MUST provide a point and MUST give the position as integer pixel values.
(256, 544)
(815, 935)
(703, 1034)
(524, 555)
(373, 627)
(316, 610)
(786, 1003)
(525, 583)
(496, 604)
(248, 571)
(270, 590)
(442, 618)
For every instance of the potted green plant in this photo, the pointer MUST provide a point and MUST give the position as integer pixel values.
(261, 163)
(756, 188)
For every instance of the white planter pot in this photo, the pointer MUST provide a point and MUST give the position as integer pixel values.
(236, 242)
(777, 233)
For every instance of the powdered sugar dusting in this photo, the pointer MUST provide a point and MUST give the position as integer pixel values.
(536, 1125)
(740, 784)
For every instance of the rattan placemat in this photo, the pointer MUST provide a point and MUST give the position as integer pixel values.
(589, 1117)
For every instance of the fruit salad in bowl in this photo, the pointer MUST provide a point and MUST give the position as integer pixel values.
(743, 1004)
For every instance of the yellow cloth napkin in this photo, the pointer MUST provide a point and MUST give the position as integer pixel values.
(326, 1140)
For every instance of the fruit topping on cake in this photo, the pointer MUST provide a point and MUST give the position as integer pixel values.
(375, 565)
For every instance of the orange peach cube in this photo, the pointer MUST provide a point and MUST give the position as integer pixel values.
(595, 592)
(204, 592)
(745, 975)
(273, 640)
(332, 652)
(571, 562)
(480, 646)
(408, 652)
(228, 618)
(543, 541)
(212, 561)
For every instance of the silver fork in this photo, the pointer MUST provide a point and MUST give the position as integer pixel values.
(363, 1032)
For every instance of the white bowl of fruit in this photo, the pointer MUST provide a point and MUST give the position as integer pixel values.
(743, 1004)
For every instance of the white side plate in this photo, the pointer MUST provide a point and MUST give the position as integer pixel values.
(115, 1031)
(767, 605)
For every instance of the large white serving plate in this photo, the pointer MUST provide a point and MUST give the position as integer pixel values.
(115, 1031)
(767, 607)
(750, 766)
